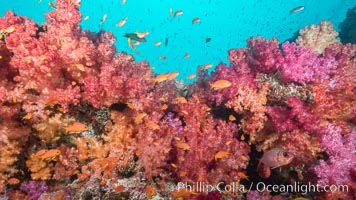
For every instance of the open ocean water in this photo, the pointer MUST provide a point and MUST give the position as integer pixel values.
(224, 24)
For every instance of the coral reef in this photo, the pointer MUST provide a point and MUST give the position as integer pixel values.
(78, 120)
(317, 37)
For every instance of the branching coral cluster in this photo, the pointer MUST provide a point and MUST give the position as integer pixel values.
(79, 120)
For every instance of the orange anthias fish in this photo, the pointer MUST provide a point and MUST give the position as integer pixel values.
(150, 191)
(76, 127)
(242, 175)
(183, 146)
(122, 22)
(13, 181)
(8, 30)
(119, 188)
(162, 57)
(191, 76)
(273, 158)
(142, 34)
(221, 154)
(157, 43)
(232, 118)
(51, 4)
(220, 84)
(182, 193)
(161, 77)
(196, 20)
(207, 66)
(172, 75)
(51, 154)
(152, 126)
(187, 55)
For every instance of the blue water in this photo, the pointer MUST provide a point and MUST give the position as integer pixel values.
(228, 23)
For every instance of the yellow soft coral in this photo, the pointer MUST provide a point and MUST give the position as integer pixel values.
(51, 130)
(318, 37)
(40, 169)
(7, 159)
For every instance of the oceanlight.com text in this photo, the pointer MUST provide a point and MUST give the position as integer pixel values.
(235, 187)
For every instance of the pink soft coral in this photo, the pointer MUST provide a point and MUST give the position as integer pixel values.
(342, 155)
(264, 54)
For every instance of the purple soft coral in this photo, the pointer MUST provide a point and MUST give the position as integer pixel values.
(342, 151)
(34, 189)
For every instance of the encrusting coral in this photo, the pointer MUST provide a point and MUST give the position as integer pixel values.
(79, 120)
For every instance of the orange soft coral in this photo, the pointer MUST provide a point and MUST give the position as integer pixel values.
(252, 105)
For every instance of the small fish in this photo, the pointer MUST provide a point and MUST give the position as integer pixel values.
(178, 13)
(221, 154)
(40, 153)
(50, 101)
(86, 17)
(157, 43)
(160, 78)
(207, 40)
(297, 9)
(183, 193)
(207, 66)
(162, 57)
(273, 158)
(220, 84)
(138, 118)
(129, 41)
(152, 126)
(122, 22)
(128, 57)
(196, 20)
(142, 34)
(103, 19)
(166, 42)
(134, 36)
(164, 107)
(27, 116)
(191, 76)
(187, 55)
(51, 155)
(79, 66)
(181, 99)
(172, 75)
(170, 12)
(8, 30)
(183, 145)
(76, 127)
(242, 175)
(301, 198)
(150, 191)
(119, 188)
(13, 181)
(232, 118)
(51, 4)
